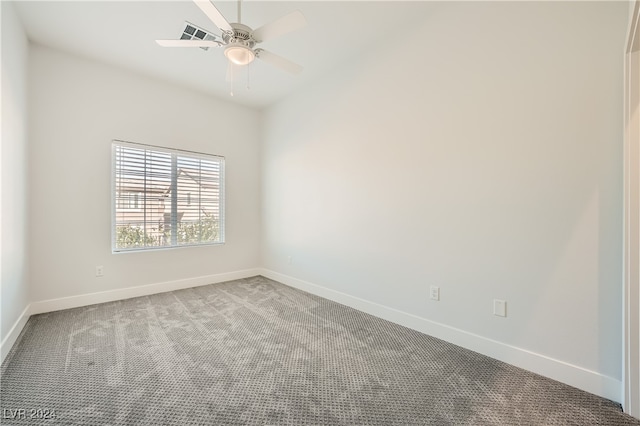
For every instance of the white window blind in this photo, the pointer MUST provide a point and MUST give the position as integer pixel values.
(165, 198)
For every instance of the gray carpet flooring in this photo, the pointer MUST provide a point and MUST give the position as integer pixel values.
(256, 352)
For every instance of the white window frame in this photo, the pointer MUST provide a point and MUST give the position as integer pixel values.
(190, 155)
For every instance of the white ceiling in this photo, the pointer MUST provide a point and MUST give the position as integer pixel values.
(123, 33)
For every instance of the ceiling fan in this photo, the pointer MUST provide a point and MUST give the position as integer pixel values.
(239, 40)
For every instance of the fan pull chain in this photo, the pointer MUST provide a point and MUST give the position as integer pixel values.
(248, 80)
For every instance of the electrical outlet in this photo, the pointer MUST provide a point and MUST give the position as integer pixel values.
(289, 260)
(99, 271)
(499, 308)
(434, 292)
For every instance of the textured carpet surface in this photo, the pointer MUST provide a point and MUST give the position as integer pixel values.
(256, 352)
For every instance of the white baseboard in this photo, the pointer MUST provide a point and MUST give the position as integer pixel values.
(51, 305)
(129, 292)
(12, 336)
(581, 378)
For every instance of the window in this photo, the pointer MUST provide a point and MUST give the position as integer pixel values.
(165, 197)
(129, 200)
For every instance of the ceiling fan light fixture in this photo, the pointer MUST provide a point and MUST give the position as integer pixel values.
(239, 54)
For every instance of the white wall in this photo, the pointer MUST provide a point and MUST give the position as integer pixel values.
(77, 107)
(631, 294)
(482, 154)
(14, 264)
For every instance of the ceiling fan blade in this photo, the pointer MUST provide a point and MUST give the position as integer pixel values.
(214, 14)
(291, 22)
(189, 43)
(278, 61)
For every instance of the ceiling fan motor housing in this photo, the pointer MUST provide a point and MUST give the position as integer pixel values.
(242, 35)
